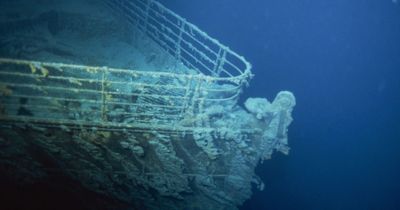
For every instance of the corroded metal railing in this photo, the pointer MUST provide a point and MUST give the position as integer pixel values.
(65, 94)
(190, 45)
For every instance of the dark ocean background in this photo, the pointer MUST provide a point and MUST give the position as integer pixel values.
(341, 59)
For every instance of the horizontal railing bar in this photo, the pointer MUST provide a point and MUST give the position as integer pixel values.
(99, 92)
(90, 80)
(77, 90)
(65, 107)
(153, 74)
(89, 101)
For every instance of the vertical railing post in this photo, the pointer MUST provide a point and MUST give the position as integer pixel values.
(220, 61)
(103, 95)
(178, 42)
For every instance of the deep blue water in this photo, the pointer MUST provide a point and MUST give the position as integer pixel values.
(342, 61)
